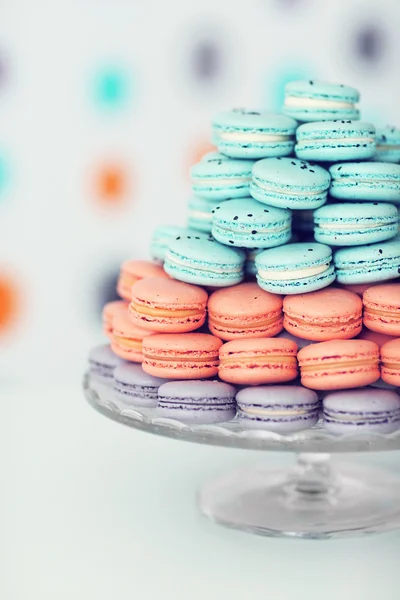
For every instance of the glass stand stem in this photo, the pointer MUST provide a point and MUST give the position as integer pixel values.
(313, 476)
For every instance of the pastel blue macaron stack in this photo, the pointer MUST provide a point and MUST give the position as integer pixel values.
(316, 174)
(295, 268)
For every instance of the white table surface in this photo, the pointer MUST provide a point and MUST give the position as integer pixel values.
(92, 510)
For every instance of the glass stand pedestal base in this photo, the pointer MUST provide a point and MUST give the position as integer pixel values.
(314, 500)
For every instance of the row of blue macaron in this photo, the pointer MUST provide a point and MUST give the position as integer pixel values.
(319, 121)
(283, 409)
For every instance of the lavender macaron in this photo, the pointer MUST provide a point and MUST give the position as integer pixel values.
(134, 387)
(102, 363)
(197, 401)
(363, 410)
(279, 408)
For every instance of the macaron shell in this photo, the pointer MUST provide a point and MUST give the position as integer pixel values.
(382, 309)
(127, 338)
(205, 262)
(181, 355)
(167, 305)
(289, 183)
(366, 181)
(336, 140)
(135, 387)
(295, 268)
(109, 311)
(363, 410)
(313, 100)
(390, 362)
(132, 271)
(339, 364)
(247, 223)
(162, 237)
(221, 178)
(324, 315)
(244, 311)
(253, 362)
(355, 223)
(242, 133)
(369, 263)
(387, 144)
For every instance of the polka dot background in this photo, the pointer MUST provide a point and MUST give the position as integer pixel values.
(109, 80)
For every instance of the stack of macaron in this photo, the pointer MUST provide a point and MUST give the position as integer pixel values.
(278, 303)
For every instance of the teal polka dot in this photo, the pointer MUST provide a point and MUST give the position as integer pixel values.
(112, 88)
(4, 175)
(274, 91)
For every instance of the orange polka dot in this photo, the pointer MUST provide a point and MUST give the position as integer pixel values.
(111, 184)
(9, 301)
(197, 152)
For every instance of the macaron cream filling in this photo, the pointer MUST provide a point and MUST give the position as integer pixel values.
(343, 138)
(275, 275)
(172, 258)
(244, 136)
(292, 191)
(307, 102)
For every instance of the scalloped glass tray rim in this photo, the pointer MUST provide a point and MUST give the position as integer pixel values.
(233, 434)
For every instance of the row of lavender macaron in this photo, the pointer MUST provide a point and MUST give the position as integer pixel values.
(284, 409)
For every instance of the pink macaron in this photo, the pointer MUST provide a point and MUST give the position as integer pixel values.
(339, 364)
(181, 355)
(244, 311)
(257, 361)
(390, 362)
(382, 308)
(328, 314)
(110, 310)
(168, 305)
(127, 338)
(133, 270)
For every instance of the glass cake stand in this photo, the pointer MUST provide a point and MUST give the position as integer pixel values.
(318, 498)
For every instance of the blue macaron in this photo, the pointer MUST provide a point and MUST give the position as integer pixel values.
(197, 402)
(280, 408)
(387, 144)
(204, 262)
(355, 223)
(163, 236)
(369, 263)
(320, 101)
(249, 224)
(134, 387)
(295, 268)
(366, 181)
(200, 213)
(289, 183)
(103, 362)
(364, 410)
(220, 178)
(242, 133)
(335, 140)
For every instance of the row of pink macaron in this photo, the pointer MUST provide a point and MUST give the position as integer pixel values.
(330, 365)
(161, 304)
